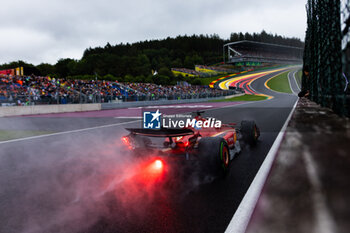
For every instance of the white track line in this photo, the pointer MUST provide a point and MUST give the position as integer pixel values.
(295, 79)
(290, 84)
(242, 216)
(67, 132)
(258, 92)
(102, 126)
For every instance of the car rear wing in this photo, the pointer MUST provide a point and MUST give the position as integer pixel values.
(163, 132)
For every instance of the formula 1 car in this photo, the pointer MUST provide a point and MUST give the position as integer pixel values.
(214, 148)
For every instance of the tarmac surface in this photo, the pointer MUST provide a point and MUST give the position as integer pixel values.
(79, 180)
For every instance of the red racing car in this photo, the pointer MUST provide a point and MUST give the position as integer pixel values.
(213, 148)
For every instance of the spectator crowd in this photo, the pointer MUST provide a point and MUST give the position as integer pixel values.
(25, 90)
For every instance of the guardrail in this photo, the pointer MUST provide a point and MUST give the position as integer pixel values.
(45, 109)
(106, 106)
(61, 108)
(79, 98)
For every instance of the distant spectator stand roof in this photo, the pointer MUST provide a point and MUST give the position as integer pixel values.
(248, 51)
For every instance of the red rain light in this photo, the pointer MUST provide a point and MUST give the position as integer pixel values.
(158, 164)
(126, 141)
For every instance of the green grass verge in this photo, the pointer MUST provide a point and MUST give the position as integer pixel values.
(14, 134)
(242, 98)
(280, 83)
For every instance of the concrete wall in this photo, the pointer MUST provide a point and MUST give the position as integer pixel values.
(43, 109)
(159, 102)
(60, 108)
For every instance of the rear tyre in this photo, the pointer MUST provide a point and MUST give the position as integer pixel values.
(250, 132)
(214, 156)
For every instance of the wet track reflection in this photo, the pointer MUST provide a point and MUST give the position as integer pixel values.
(84, 182)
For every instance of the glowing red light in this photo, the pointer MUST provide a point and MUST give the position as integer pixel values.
(126, 141)
(158, 164)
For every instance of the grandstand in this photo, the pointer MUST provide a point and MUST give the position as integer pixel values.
(244, 55)
(251, 53)
(185, 72)
(202, 71)
(212, 70)
(30, 90)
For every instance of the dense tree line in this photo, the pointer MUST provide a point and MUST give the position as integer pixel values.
(135, 62)
(267, 38)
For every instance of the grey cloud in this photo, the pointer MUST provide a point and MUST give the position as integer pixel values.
(47, 31)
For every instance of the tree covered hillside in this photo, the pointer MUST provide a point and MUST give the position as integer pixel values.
(135, 62)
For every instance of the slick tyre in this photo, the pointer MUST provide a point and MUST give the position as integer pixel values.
(214, 156)
(250, 132)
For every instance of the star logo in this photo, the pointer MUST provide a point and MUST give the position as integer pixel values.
(151, 120)
(156, 115)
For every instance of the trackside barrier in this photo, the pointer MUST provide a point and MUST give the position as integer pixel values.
(44, 109)
(61, 108)
(106, 106)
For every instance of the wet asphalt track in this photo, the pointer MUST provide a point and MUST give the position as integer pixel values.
(62, 183)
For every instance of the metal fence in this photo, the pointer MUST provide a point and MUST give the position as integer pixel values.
(13, 99)
(326, 56)
(345, 26)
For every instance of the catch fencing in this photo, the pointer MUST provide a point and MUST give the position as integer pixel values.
(327, 54)
(14, 99)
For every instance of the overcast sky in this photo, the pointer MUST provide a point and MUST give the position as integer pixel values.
(44, 31)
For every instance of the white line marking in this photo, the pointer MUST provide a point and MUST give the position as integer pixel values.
(67, 132)
(226, 84)
(103, 126)
(100, 127)
(296, 80)
(111, 125)
(290, 84)
(242, 216)
(253, 88)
